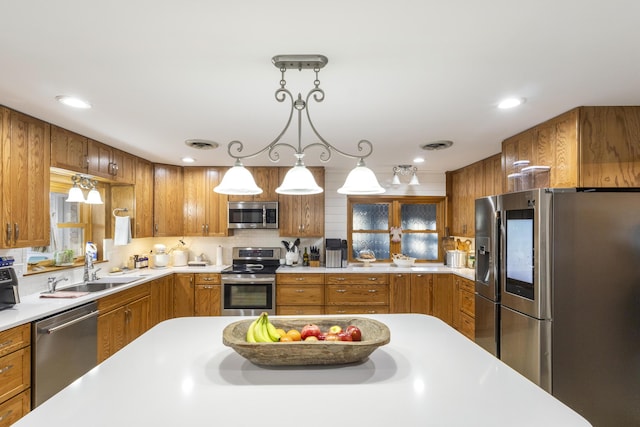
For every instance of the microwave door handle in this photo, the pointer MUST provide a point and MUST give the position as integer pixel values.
(264, 216)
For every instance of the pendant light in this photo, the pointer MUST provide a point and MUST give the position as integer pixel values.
(361, 180)
(299, 180)
(238, 180)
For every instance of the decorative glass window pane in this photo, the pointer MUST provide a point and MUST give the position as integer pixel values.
(420, 245)
(377, 242)
(370, 216)
(418, 216)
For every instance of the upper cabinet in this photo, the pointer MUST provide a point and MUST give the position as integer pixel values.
(68, 150)
(167, 200)
(584, 147)
(205, 211)
(302, 216)
(110, 163)
(25, 177)
(143, 196)
(267, 178)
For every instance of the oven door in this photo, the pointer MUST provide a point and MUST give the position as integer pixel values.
(248, 294)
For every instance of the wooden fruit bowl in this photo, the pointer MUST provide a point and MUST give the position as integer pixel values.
(374, 335)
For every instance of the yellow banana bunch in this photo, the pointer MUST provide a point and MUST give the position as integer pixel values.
(261, 330)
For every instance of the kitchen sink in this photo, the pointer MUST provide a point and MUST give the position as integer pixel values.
(101, 284)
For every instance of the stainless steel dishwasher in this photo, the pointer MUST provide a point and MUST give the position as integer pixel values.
(64, 349)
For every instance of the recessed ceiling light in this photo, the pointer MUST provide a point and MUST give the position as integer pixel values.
(72, 101)
(510, 103)
(418, 160)
(188, 160)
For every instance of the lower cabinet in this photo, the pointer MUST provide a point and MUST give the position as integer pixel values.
(442, 297)
(400, 293)
(183, 295)
(125, 316)
(300, 294)
(356, 293)
(421, 293)
(207, 295)
(466, 304)
(161, 294)
(15, 374)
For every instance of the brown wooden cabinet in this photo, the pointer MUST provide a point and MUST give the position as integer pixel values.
(400, 293)
(124, 317)
(356, 293)
(207, 294)
(421, 293)
(205, 211)
(161, 299)
(26, 158)
(442, 297)
(267, 178)
(167, 201)
(110, 163)
(466, 307)
(143, 195)
(302, 216)
(183, 295)
(300, 294)
(68, 150)
(15, 374)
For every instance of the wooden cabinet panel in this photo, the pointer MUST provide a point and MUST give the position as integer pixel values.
(26, 153)
(421, 293)
(15, 373)
(304, 278)
(143, 191)
(161, 294)
(300, 310)
(467, 326)
(137, 318)
(207, 300)
(357, 309)
(492, 175)
(167, 201)
(184, 295)
(442, 298)
(299, 294)
(68, 150)
(110, 163)
(369, 294)
(400, 293)
(205, 211)
(15, 408)
(15, 338)
(302, 216)
(111, 333)
(356, 278)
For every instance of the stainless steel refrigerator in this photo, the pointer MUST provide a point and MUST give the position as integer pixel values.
(570, 297)
(487, 298)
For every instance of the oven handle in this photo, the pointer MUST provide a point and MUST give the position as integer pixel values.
(247, 280)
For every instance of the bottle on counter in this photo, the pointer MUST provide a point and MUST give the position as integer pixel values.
(305, 258)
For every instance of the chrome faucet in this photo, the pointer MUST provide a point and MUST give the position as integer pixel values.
(52, 282)
(88, 265)
(94, 274)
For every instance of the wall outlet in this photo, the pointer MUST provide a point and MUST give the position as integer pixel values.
(19, 269)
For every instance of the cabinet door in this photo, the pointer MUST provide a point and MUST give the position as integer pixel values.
(443, 294)
(136, 318)
(143, 199)
(111, 333)
(400, 293)
(492, 175)
(123, 166)
(167, 201)
(216, 205)
(268, 179)
(183, 295)
(421, 293)
(207, 300)
(302, 216)
(161, 294)
(99, 159)
(195, 200)
(68, 150)
(26, 153)
(15, 408)
(459, 190)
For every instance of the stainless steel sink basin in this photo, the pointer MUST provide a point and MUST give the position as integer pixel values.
(101, 284)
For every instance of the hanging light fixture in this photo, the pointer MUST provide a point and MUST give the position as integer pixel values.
(405, 170)
(299, 180)
(82, 182)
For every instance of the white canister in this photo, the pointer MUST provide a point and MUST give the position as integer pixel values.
(180, 258)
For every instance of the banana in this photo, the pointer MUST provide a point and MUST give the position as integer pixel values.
(259, 331)
(271, 330)
(250, 334)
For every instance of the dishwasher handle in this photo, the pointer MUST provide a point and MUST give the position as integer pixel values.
(72, 322)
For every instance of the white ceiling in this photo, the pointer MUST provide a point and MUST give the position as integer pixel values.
(400, 73)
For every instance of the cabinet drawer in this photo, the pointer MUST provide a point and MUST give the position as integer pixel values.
(300, 294)
(358, 294)
(468, 303)
(299, 310)
(294, 279)
(15, 338)
(357, 309)
(356, 278)
(123, 297)
(15, 373)
(207, 279)
(15, 408)
(468, 326)
(467, 285)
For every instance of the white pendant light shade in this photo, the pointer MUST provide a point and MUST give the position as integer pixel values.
(299, 181)
(75, 195)
(361, 180)
(396, 179)
(238, 181)
(414, 179)
(93, 198)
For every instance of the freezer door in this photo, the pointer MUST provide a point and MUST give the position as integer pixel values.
(525, 345)
(487, 324)
(486, 234)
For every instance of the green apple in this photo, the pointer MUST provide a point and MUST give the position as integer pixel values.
(335, 329)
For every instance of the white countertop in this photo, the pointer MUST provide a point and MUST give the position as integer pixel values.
(32, 307)
(180, 373)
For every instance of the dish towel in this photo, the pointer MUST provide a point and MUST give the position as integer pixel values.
(122, 232)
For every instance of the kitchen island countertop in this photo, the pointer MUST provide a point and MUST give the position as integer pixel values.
(180, 373)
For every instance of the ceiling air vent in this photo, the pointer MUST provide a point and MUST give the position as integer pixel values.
(201, 144)
(437, 145)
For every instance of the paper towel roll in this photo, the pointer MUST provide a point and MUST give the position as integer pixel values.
(219, 255)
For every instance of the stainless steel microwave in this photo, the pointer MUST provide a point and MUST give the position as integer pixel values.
(252, 215)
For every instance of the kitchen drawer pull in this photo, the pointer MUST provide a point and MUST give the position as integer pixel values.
(299, 291)
(6, 344)
(299, 279)
(207, 279)
(8, 233)
(341, 311)
(372, 279)
(372, 291)
(5, 369)
(208, 287)
(371, 311)
(6, 415)
(341, 291)
(16, 233)
(340, 279)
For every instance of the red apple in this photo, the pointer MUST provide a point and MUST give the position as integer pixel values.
(310, 330)
(345, 336)
(354, 331)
